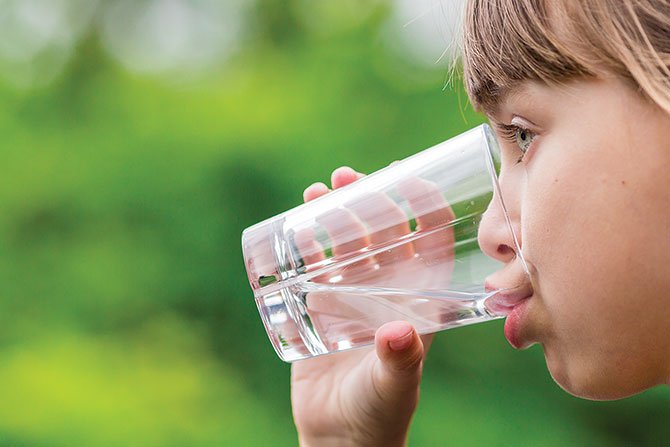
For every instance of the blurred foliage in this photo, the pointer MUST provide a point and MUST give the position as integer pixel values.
(126, 317)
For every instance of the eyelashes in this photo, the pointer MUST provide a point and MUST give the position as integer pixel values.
(516, 135)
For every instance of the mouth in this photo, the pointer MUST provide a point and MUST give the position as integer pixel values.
(505, 301)
(512, 304)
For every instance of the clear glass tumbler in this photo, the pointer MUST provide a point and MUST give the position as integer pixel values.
(399, 244)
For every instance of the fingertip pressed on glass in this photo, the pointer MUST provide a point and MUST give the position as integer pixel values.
(399, 244)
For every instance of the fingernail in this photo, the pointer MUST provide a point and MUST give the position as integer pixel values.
(401, 343)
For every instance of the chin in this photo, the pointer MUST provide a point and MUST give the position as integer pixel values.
(587, 380)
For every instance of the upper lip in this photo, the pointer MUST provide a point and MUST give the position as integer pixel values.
(507, 298)
(512, 284)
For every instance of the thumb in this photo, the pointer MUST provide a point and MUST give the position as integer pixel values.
(401, 352)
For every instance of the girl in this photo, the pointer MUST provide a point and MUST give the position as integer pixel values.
(579, 95)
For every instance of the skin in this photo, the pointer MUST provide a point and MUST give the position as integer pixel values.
(363, 397)
(589, 204)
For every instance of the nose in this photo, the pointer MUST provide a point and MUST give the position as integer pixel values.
(494, 236)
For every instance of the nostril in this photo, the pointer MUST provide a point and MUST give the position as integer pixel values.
(505, 250)
(495, 238)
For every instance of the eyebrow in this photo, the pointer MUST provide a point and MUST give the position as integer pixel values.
(506, 95)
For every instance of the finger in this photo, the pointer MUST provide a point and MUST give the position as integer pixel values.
(315, 190)
(309, 249)
(311, 253)
(401, 353)
(334, 314)
(329, 313)
(348, 237)
(343, 176)
(386, 223)
(431, 211)
(347, 233)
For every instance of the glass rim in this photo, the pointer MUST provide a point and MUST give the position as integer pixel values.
(493, 155)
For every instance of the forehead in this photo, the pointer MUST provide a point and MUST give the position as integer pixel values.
(537, 100)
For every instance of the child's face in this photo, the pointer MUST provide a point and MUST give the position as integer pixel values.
(590, 203)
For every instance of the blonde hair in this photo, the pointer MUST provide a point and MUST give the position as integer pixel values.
(509, 41)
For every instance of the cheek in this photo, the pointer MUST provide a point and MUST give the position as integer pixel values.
(584, 239)
(582, 226)
(572, 260)
(577, 236)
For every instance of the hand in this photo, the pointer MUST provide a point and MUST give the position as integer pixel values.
(367, 397)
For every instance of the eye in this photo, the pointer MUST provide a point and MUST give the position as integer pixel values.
(519, 136)
(524, 138)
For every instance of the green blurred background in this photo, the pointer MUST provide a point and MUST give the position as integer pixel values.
(139, 138)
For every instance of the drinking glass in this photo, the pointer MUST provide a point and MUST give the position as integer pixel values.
(399, 244)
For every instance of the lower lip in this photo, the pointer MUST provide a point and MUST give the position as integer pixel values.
(513, 325)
